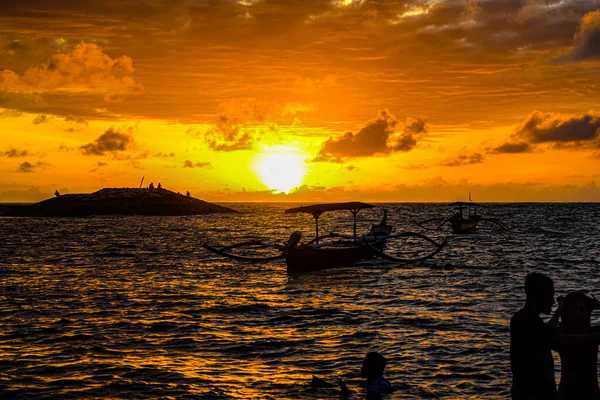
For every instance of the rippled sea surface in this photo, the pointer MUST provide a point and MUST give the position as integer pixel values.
(134, 307)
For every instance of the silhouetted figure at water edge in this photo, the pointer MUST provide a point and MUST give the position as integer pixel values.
(159, 187)
(577, 345)
(531, 339)
(151, 186)
(57, 194)
(188, 194)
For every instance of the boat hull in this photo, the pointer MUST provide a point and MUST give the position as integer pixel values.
(308, 258)
(464, 226)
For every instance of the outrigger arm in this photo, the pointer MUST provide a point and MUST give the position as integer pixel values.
(223, 250)
(497, 222)
(438, 248)
(430, 220)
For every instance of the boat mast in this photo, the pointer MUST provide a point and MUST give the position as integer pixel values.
(354, 212)
(316, 214)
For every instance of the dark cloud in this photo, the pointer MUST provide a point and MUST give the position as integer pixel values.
(414, 130)
(542, 130)
(29, 167)
(511, 148)
(190, 164)
(370, 140)
(377, 137)
(542, 127)
(463, 158)
(41, 119)
(587, 39)
(110, 141)
(14, 153)
(74, 120)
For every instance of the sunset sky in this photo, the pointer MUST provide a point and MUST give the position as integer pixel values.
(307, 100)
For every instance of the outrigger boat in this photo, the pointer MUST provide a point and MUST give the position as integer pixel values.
(462, 222)
(316, 254)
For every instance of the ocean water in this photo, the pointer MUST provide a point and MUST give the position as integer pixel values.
(134, 307)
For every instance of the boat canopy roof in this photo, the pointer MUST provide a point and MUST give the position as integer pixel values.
(464, 204)
(319, 208)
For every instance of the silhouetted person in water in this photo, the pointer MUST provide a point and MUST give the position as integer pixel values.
(151, 186)
(531, 361)
(159, 187)
(188, 194)
(372, 369)
(578, 348)
(57, 194)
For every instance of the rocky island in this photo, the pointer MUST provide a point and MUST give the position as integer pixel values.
(126, 201)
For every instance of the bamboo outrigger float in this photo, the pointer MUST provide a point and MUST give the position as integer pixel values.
(465, 220)
(346, 250)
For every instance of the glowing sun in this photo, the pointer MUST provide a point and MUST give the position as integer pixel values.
(281, 168)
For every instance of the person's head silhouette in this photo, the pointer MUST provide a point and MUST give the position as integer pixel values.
(373, 365)
(539, 290)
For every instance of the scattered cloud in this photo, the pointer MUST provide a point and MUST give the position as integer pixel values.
(99, 164)
(112, 140)
(463, 158)
(190, 164)
(71, 119)
(414, 167)
(86, 68)
(163, 155)
(14, 153)
(42, 119)
(10, 113)
(224, 135)
(511, 148)
(29, 167)
(434, 189)
(31, 194)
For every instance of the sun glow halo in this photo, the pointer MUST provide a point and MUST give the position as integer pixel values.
(281, 168)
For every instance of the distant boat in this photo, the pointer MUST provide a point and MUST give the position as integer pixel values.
(464, 221)
(317, 255)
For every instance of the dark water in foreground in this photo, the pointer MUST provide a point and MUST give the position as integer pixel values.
(133, 307)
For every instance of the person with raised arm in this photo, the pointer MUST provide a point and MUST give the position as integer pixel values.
(577, 343)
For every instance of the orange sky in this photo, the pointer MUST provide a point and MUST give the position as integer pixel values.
(275, 100)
